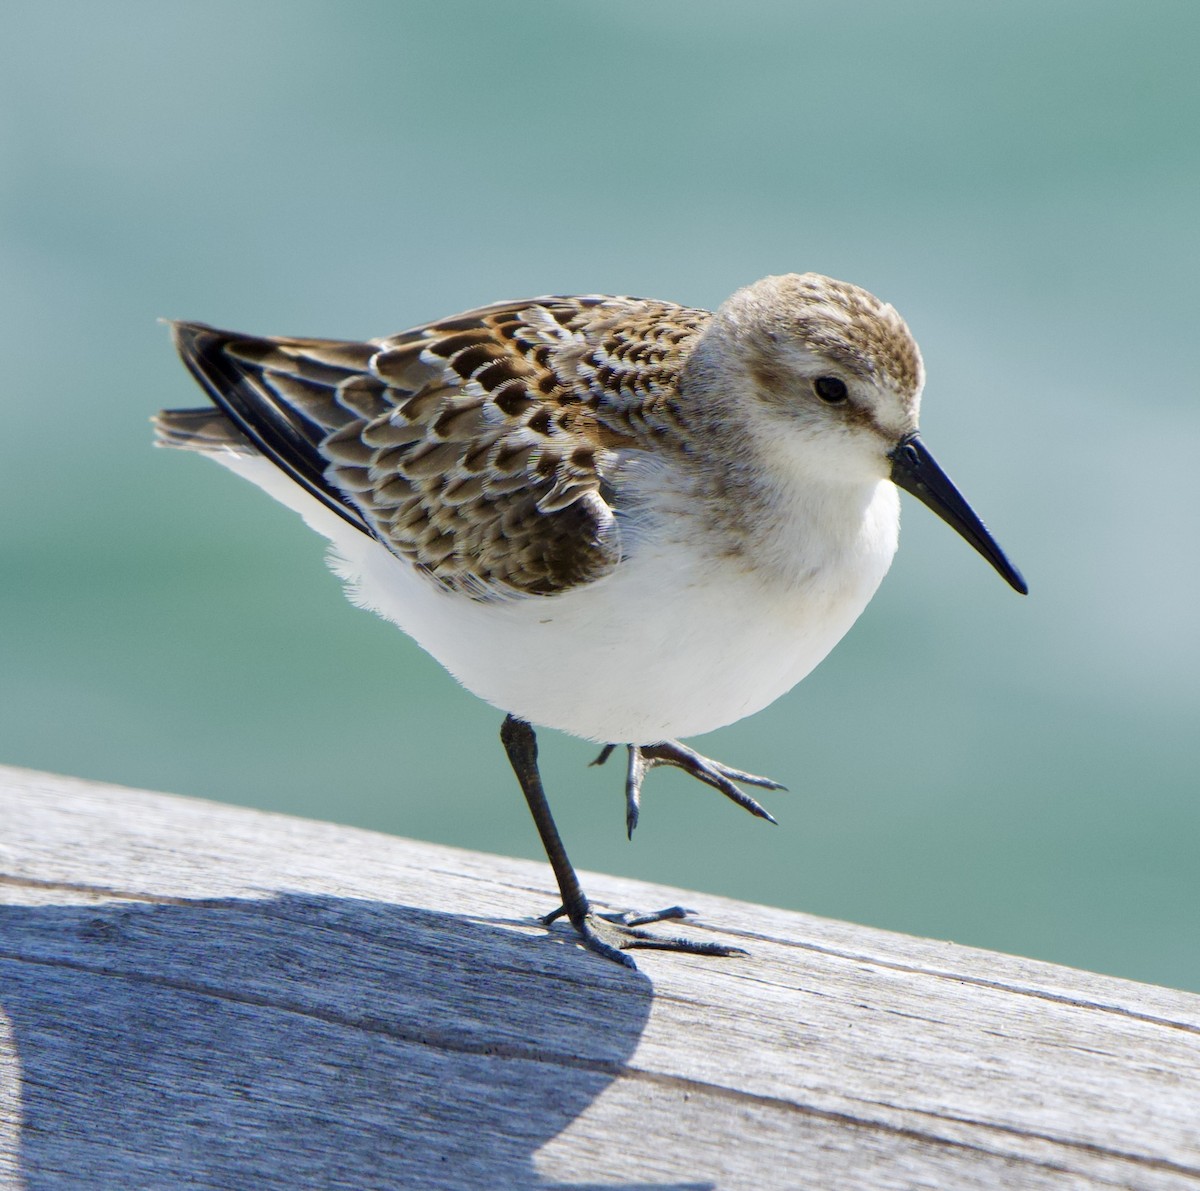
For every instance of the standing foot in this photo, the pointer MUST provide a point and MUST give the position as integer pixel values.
(644, 757)
(611, 935)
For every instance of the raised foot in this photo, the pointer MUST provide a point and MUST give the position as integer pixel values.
(611, 935)
(644, 757)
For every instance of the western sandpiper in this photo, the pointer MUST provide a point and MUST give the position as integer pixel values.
(622, 518)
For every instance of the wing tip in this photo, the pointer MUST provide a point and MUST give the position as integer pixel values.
(271, 428)
(193, 339)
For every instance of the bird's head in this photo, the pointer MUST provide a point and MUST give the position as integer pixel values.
(830, 379)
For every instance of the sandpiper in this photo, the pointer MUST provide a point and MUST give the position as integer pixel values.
(626, 519)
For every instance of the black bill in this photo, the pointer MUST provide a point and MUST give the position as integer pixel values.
(915, 470)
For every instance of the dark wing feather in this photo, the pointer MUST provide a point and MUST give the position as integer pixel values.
(280, 429)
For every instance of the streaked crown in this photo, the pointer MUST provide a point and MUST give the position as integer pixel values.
(832, 320)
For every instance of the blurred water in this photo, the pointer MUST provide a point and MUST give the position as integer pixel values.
(1019, 179)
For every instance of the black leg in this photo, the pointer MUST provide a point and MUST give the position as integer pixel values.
(607, 935)
(520, 743)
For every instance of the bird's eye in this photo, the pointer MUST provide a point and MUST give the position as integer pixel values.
(830, 389)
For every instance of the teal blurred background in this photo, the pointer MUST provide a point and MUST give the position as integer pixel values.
(1022, 180)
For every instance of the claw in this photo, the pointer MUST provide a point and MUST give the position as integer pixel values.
(605, 753)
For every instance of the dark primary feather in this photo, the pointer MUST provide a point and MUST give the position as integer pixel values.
(479, 448)
(279, 429)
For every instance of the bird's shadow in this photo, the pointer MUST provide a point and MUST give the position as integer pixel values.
(299, 1042)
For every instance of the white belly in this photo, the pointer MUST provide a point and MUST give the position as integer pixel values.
(669, 645)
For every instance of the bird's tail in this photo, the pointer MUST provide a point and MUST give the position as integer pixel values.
(204, 430)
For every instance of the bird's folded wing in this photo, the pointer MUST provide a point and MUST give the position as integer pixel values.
(477, 447)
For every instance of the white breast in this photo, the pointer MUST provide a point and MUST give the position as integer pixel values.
(671, 644)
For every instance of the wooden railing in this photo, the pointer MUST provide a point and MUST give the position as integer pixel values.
(195, 995)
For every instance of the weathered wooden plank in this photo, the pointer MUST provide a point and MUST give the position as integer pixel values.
(194, 995)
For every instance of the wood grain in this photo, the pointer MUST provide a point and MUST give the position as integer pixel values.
(195, 995)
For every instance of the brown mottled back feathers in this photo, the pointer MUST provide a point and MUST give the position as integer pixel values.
(476, 447)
